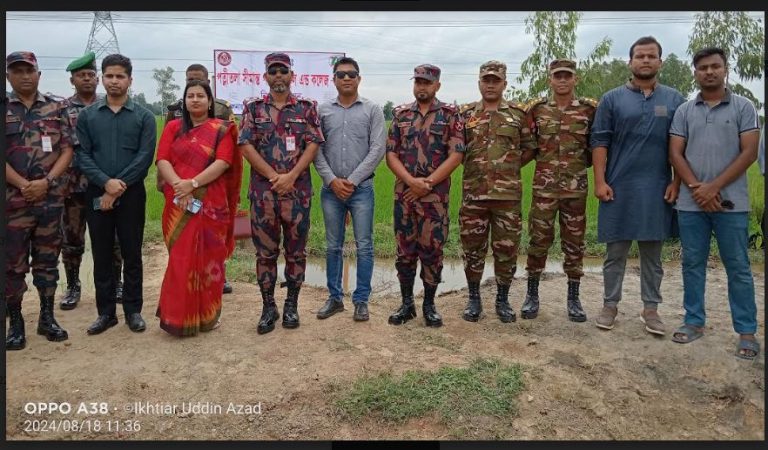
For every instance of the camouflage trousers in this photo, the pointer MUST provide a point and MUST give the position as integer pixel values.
(501, 220)
(421, 229)
(269, 216)
(33, 231)
(73, 233)
(541, 221)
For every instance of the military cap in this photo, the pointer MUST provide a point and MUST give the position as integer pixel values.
(493, 67)
(87, 61)
(277, 58)
(427, 72)
(26, 57)
(562, 65)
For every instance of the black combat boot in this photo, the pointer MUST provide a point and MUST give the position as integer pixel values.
(575, 312)
(118, 271)
(431, 316)
(269, 312)
(46, 324)
(16, 340)
(407, 310)
(503, 310)
(530, 307)
(474, 307)
(290, 310)
(72, 294)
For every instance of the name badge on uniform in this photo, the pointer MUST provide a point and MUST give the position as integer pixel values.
(290, 143)
(660, 110)
(47, 144)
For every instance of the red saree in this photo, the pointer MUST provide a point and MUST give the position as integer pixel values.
(198, 244)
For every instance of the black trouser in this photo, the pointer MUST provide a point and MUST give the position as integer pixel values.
(127, 220)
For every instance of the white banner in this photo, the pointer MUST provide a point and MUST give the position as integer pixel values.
(239, 74)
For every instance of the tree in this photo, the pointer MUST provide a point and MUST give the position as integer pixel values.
(740, 36)
(389, 109)
(166, 88)
(140, 99)
(554, 34)
(677, 74)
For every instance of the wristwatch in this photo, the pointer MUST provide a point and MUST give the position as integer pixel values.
(195, 184)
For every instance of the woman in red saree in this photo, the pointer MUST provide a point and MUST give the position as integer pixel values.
(198, 158)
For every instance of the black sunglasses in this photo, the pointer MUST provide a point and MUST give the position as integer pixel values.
(282, 70)
(727, 204)
(340, 74)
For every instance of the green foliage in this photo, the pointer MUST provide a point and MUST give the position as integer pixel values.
(487, 387)
(389, 109)
(742, 38)
(166, 88)
(677, 74)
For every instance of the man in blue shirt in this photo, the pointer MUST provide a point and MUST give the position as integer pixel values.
(355, 141)
(117, 145)
(713, 141)
(633, 180)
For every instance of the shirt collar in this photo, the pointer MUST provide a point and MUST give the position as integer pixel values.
(551, 102)
(357, 100)
(102, 103)
(436, 104)
(632, 86)
(14, 97)
(726, 98)
(291, 100)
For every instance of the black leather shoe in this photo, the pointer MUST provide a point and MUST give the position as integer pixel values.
(16, 340)
(361, 312)
(474, 308)
(431, 317)
(331, 307)
(101, 324)
(503, 310)
(135, 322)
(47, 325)
(291, 306)
(530, 307)
(407, 310)
(575, 311)
(72, 294)
(227, 287)
(269, 316)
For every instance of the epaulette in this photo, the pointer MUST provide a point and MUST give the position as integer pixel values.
(588, 101)
(401, 108)
(536, 101)
(250, 100)
(467, 106)
(450, 107)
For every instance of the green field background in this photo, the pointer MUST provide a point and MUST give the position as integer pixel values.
(383, 238)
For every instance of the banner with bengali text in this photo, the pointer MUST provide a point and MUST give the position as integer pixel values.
(239, 75)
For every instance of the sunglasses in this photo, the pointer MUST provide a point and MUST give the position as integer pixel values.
(282, 70)
(727, 204)
(340, 74)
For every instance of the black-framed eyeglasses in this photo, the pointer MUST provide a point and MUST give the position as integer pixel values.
(340, 74)
(282, 70)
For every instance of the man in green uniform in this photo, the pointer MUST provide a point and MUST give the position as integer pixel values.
(38, 151)
(561, 126)
(496, 133)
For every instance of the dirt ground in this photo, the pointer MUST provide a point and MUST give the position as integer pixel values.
(581, 382)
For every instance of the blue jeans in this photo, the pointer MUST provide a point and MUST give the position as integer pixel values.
(360, 205)
(731, 232)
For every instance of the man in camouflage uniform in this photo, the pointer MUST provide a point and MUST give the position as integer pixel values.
(561, 125)
(279, 136)
(85, 79)
(425, 144)
(221, 109)
(497, 133)
(38, 151)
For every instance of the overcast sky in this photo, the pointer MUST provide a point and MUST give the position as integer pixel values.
(386, 44)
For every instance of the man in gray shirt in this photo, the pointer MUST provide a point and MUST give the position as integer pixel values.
(713, 141)
(354, 145)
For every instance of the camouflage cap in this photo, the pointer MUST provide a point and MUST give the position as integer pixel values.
(26, 57)
(277, 58)
(562, 65)
(87, 61)
(427, 72)
(494, 67)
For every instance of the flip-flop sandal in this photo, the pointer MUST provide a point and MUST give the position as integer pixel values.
(690, 332)
(745, 344)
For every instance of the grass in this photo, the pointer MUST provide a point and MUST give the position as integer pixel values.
(383, 231)
(487, 387)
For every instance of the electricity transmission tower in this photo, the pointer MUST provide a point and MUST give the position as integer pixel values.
(102, 40)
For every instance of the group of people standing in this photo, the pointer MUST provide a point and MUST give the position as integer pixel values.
(633, 138)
